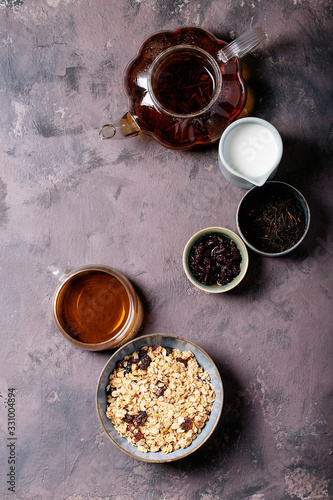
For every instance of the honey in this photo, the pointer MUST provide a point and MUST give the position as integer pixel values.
(93, 307)
(97, 308)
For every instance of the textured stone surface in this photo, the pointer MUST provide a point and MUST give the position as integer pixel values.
(66, 197)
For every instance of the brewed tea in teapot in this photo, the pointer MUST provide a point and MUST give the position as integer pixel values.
(184, 88)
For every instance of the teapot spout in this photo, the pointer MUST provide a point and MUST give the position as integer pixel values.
(123, 128)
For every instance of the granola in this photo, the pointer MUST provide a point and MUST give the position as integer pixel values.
(159, 398)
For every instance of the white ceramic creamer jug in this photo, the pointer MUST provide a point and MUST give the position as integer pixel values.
(250, 151)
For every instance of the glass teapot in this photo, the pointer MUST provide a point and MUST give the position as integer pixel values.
(184, 88)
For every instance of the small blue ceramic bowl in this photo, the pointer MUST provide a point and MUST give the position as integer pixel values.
(155, 341)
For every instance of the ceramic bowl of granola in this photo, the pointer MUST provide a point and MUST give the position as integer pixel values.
(159, 398)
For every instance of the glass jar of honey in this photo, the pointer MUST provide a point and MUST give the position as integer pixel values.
(96, 307)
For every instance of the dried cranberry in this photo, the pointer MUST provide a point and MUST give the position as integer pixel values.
(128, 368)
(141, 417)
(131, 427)
(144, 362)
(215, 259)
(187, 424)
(128, 418)
(160, 389)
(138, 436)
(181, 360)
(110, 390)
(128, 364)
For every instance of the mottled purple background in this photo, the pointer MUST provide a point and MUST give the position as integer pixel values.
(69, 198)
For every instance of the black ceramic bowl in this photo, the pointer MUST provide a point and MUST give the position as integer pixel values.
(273, 219)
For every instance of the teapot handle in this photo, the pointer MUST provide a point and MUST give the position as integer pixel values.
(123, 128)
(242, 45)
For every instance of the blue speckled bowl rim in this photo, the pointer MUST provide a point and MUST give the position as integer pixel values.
(155, 340)
(241, 246)
(293, 191)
